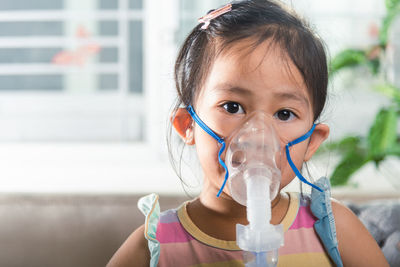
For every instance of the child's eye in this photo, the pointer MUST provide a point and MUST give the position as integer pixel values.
(285, 115)
(233, 107)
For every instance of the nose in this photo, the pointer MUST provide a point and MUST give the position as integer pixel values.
(259, 132)
(255, 142)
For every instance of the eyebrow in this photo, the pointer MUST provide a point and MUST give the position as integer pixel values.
(296, 96)
(286, 95)
(233, 89)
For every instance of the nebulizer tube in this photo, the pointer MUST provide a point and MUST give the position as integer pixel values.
(260, 240)
(254, 181)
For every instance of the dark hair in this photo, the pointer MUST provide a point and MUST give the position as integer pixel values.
(257, 21)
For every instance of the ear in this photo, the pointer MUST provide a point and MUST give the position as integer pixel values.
(321, 132)
(183, 125)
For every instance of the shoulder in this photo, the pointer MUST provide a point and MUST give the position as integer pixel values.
(133, 252)
(357, 247)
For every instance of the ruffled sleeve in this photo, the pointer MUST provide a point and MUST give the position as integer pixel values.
(150, 207)
(325, 225)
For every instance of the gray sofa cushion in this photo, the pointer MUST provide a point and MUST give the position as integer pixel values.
(382, 219)
(67, 230)
(57, 230)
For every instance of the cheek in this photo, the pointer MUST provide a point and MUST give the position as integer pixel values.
(297, 154)
(207, 151)
(289, 132)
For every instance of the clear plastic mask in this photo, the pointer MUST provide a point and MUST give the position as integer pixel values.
(253, 151)
(246, 152)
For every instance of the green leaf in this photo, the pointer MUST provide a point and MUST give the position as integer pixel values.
(374, 65)
(382, 134)
(394, 150)
(344, 145)
(346, 59)
(389, 91)
(390, 4)
(349, 164)
(387, 22)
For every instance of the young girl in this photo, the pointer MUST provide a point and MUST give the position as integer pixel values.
(248, 57)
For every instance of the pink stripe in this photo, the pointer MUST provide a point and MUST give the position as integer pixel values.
(171, 233)
(194, 253)
(304, 219)
(303, 240)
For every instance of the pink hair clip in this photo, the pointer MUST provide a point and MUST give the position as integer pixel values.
(214, 14)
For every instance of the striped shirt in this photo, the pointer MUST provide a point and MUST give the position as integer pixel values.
(184, 244)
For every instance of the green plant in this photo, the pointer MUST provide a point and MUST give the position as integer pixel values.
(382, 139)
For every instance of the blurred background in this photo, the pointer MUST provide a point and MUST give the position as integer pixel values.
(86, 88)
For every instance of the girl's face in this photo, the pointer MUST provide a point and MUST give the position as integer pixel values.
(242, 81)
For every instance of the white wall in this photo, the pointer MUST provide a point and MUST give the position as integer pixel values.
(144, 167)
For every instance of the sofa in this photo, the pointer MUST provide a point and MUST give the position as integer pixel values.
(60, 230)
(65, 230)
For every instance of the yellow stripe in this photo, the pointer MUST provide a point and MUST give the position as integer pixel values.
(305, 260)
(201, 236)
(290, 216)
(146, 226)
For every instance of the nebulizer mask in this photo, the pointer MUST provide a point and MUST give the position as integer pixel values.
(253, 174)
(254, 180)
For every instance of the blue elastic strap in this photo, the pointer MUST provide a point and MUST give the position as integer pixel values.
(216, 137)
(222, 142)
(289, 159)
